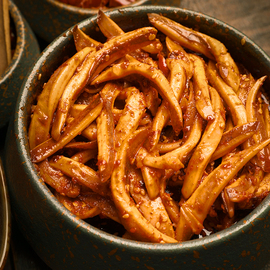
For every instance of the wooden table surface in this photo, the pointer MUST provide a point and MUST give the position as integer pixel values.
(252, 17)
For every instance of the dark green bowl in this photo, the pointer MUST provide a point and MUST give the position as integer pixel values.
(50, 18)
(26, 53)
(66, 242)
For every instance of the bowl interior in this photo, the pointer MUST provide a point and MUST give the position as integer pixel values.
(248, 53)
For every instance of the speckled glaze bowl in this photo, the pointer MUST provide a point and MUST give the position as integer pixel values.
(26, 53)
(50, 18)
(66, 242)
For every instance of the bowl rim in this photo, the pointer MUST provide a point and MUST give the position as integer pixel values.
(89, 11)
(20, 41)
(6, 214)
(22, 146)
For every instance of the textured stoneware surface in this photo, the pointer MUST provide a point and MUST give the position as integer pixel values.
(26, 53)
(66, 242)
(50, 18)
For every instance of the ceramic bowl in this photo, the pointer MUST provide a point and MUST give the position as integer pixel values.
(50, 18)
(26, 53)
(66, 242)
